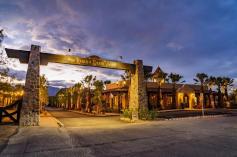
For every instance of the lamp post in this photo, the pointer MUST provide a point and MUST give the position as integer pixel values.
(202, 105)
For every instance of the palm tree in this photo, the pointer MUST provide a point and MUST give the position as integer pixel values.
(77, 90)
(147, 75)
(219, 84)
(126, 75)
(61, 97)
(68, 97)
(201, 78)
(97, 98)
(174, 78)
(227, 82)
(211, 82)
(43, 92)
(160, 78)
(107, 82)
(88, 81)
(234, 97)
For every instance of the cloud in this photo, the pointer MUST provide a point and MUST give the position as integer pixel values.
(61, 83)
(20, 75)
(203, 32)
(174, 46)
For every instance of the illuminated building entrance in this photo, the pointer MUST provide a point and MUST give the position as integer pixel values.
(30, 115)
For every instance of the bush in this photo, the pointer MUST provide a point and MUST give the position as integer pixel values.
(145, 114)
(127, 113)
(110, 110)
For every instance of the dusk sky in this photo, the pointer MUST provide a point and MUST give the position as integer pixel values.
(181, 36)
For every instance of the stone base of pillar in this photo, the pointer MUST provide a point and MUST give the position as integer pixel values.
(135, 116)
(137, 91)
(29, 119)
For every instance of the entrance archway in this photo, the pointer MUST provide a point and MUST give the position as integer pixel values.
(30, 115)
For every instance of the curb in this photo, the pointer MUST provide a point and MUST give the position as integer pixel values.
(195, 117)
(91, 114)
(60, 124)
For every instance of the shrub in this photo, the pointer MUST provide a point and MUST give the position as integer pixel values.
(152, 114)
(109, 110)
(127, 113)
(145, 114)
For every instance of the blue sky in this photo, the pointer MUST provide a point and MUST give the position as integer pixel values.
(185, 36)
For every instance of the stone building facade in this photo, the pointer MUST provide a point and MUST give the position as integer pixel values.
(187, 96)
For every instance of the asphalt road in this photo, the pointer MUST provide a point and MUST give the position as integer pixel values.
(109, 137)
(72, 119)
(196, 137)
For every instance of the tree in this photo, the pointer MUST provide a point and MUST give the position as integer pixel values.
(227, 82)
(78, 91)
(43, 92)
(70, 92)
(147, 75)
(160, 78)
(174, 78)
(97, 98)
(211, 82)
(88, 82)
(3, 61)
(219, 84)
(233, 97)
(201, 79)
(61, 97)
(107, 82)
(126, 75)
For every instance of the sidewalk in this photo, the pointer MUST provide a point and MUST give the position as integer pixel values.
(47, 120)
(6, 131)
(42, 141)
(48, 139)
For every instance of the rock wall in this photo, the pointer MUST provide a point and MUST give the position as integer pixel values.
(30, 111)
(137, 90)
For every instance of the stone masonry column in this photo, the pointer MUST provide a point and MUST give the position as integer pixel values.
(30, 111)
(137, 90)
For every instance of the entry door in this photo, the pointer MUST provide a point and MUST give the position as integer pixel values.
(186, 101)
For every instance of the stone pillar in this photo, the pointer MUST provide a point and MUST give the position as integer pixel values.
(137, 90)
(31, 104)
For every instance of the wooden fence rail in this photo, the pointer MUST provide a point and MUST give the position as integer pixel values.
(4, 112)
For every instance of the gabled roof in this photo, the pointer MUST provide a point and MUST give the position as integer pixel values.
(157, 71)
(185, 89)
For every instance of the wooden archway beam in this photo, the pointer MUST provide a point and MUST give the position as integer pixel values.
(45, 58)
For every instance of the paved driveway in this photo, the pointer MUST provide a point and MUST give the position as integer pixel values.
(109, 137)
(198, 137)
(72, 119)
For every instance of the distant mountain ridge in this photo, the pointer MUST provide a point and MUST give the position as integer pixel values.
(52, 91)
